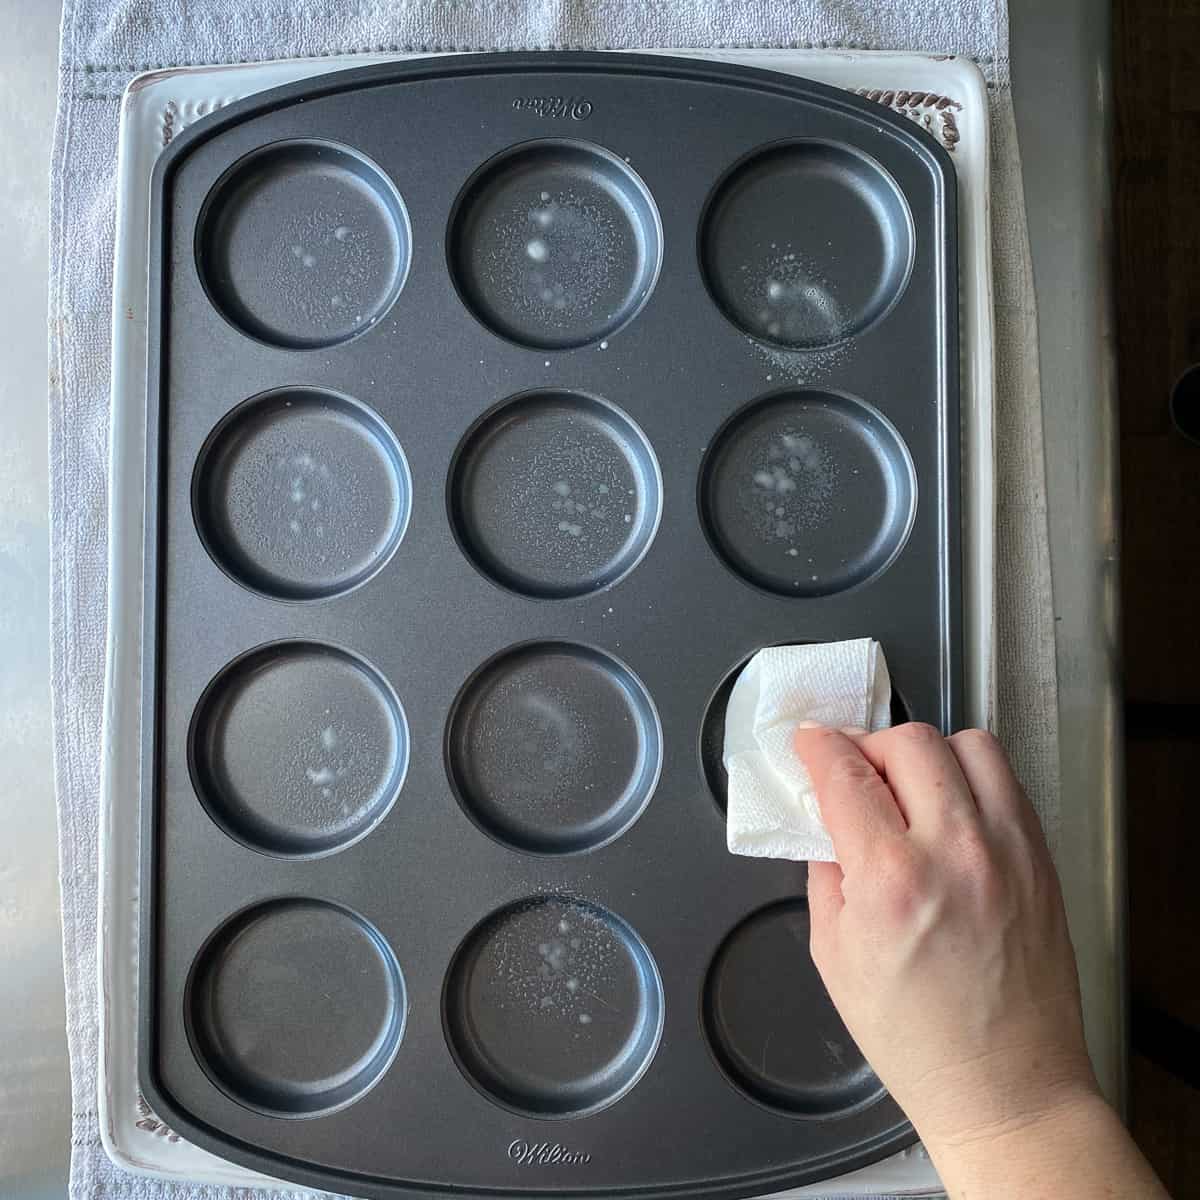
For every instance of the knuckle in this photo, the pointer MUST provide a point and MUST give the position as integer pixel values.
(820, 733)
(976, 741)
(851, 770)
(918, 732)
(809, 740)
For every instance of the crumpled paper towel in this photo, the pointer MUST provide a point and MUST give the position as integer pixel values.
(772, 807)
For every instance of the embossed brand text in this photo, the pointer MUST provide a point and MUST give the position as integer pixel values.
(577, 108)
(545, 1154)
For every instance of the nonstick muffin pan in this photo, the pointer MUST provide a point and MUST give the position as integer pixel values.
(500, 408)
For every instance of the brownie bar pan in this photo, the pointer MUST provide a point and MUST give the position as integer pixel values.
(500, 408)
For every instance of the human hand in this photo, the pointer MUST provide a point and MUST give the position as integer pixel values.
(941, 936)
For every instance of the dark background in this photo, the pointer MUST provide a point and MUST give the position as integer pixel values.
(1156, 83)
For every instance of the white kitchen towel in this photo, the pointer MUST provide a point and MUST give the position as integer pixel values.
(106, 42)
(772, 811)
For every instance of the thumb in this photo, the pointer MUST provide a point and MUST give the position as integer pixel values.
(825, 903)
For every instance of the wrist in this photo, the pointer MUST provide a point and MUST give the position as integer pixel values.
(1017, 1083)
(1028, 1148)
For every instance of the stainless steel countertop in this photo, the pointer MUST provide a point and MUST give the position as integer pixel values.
(1060, 82)
(35, 1096)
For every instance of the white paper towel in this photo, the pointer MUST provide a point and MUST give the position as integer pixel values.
(772, 809)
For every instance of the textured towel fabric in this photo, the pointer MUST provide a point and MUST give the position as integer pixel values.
(106, 42)
(772, 808)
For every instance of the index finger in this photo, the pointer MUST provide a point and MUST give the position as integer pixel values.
(857, 806)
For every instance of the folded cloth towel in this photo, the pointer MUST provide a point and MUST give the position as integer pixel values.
(772, 809)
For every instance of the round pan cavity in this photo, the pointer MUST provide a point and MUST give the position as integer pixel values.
(771, 1023)
(808, 493)
(303, 244)
(295, 1008)
(553, 1007)
(712, 734)
(298, 749)
(301, 494)
(554, 748)
(806, 244)
(555, 244)
(555, 494)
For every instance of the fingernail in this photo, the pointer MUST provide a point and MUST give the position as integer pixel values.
(809, 725)
(853, 731)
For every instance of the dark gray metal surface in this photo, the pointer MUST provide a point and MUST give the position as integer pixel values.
(555, 494)
(547, 962)
(285, 525)
(851, 215)
(833, 500)
(1062, 97)
(275, 706)
(317, 962)
(345, 265)
(597, 996)
(747, 1008)
(555, 244)
(554, 748)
